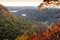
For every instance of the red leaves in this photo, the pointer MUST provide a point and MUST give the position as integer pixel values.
(40, 28)
(58, 23)
(51, 30)
(33, 36)
(47, 33)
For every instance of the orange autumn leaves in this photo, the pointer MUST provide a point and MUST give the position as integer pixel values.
(23, 37)
(40, 36)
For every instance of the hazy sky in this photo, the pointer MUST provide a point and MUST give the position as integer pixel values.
(20, 2)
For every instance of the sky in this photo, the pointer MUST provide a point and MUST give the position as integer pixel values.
(20, 2)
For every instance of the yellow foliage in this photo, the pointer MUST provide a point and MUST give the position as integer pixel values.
(23, 37)
(52, 27)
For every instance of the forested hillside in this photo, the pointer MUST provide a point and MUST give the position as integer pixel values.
(49, 15)
(13, 27)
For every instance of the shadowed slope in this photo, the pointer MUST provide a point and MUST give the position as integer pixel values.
(11, 26)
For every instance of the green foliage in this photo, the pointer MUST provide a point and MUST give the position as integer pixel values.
(12, 26)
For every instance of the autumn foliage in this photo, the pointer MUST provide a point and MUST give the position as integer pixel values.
(16, 28)
(42, 36)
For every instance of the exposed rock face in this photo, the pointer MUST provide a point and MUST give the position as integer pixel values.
(3, 9)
